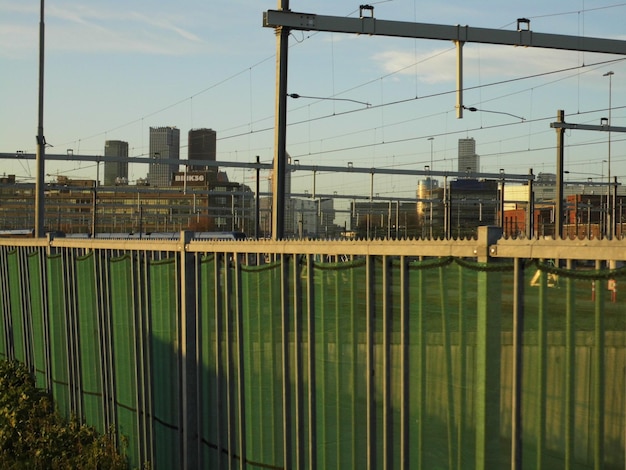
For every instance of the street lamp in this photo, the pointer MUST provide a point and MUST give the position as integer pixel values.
(474, 109)
(296, 96)
(610, 214)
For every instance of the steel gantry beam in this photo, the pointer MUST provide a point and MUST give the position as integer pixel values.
(284, 20)
(560, 125)
(367, 24)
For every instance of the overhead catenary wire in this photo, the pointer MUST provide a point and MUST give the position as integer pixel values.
(251, 125)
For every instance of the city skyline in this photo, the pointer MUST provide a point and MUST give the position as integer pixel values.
(408, 84)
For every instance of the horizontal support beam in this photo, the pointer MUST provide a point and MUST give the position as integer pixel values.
(142, 160)
(268, 166)
(375, 27)
(405, 172)
(586, 127)
(546, 248)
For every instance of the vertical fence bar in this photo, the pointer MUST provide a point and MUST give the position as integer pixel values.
(69, 270)
(386, 366)
(144, 435)
(570, 371)
(598, 375)
(488, 348)
(274, 391)
(241, 427)
(322, 410)
(338, 378)
(518, 335)
(540, 406)
(218, 288)
(25, 307)
(369, 333)
(6, 306)
(230, 412)
(16, 316)
(462, 398)
(404, 363)
(297, 363)
(421, 369)
(310, 286)
(355, 310)
(6, 326)
(188, 323)
(284, 292)
(140, 267)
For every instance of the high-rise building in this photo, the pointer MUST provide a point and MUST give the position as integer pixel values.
(202, 146)
(164, 145)
(468, 161)
(116, 172)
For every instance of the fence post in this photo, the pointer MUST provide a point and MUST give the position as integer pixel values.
(189, 353)
(488, 351)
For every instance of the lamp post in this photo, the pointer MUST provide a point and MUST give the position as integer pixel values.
(431, 139)
(430, 186)
(501, 202)
(609, 214)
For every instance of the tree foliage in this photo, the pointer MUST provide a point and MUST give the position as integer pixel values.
(34, 436)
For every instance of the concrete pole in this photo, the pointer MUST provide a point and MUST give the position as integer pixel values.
(280, 131)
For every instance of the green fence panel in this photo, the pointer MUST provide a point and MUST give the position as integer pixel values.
(4, 302)
(340, 365)
(126, 364)
(57, 312)
(435, 333)
(573, 403)
(209, 404)
(441, 326)
(165, 362)
(263, 366)
(16, 307)
(89, 327)
(35, 278)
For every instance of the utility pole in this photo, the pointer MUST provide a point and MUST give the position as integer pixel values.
(560, 125)
(41, 140)
(280, 129)
(560, 151)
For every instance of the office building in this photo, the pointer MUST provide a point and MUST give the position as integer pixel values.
(116, 172)
(468, 161)
(164, 145)
(202, 146)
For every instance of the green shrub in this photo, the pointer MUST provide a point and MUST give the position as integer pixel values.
(34, 436)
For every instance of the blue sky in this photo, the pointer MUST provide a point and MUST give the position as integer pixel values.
(113, 69)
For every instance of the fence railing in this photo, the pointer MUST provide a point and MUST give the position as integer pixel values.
(485, 353)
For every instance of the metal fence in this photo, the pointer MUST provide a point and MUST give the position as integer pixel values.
(460, 354)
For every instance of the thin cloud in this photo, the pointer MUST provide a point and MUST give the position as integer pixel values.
(82, 28)
(439, 65)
